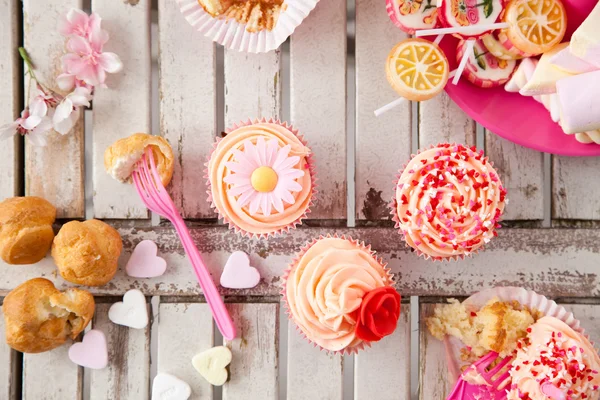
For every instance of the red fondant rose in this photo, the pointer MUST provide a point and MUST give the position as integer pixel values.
(378, 314)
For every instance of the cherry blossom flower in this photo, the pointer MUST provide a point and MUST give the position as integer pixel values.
(263, 176)
(78, 23)
(87, 61)
(42, 102)
(31, 125)
(67, 112)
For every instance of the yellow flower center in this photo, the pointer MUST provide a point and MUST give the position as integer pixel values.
(264, 179)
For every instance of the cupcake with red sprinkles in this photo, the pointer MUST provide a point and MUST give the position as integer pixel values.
(448, 203)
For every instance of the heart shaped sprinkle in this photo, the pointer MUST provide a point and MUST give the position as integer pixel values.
(144, 261)
(238, 274)
(131, 312)
(91, 352)
(169, 387)
(212, 363)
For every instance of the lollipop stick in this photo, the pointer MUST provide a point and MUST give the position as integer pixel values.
(438, 39)
(389, 106)
(463, 62)
(465, 30)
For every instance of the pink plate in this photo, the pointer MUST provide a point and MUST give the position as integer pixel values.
(520, 119)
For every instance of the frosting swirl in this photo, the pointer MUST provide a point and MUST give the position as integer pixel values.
(325, 288)
(448, 202)
(226, 202)
(554, 359)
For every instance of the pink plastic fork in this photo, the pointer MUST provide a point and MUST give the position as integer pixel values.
(467, 391)
(154, 195)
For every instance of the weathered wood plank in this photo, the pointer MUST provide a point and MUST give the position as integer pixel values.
(51, 376)
(442, 121)
(127, 376)
(384, 369)
(57, 179)
(9, 96)
(185, 330)
(383, 144)
(575, 189)
(318, 100)
(253, 373)
(8, 366)
(252, 86)
(563, 262)
(522, 173)
(433, 373)
(311, 373)
(124, 107)
(589, 315)
(187, 93)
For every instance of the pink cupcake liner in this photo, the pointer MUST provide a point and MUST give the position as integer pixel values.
(393, 205)
(527, 298)
(360, 244)
(233, 35)
(311, 169)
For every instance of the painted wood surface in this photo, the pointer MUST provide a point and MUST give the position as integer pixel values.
(8, 366)
(589, 315)
(124, 107)
(433, 371)
(442, 121)
(575, 189)
(127, 376)
(57, 179)
(383, 144)
(252, 86)
(522, 173)
(253, 372)
(54, 370)
(184, 330)
(311, 373)
(10, 94)
(318, 100)
(563, 262)
(384, 369)
(188, 107)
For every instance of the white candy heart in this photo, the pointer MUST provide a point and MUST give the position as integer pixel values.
(169, 387)
(238, 274)
(212, 363)
(131, 312)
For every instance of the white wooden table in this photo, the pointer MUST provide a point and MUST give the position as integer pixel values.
(327, 80)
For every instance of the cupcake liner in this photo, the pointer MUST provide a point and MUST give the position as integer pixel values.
(233, 35)
(393, 205)
(292, 265)
(528, 298)
(311, 169)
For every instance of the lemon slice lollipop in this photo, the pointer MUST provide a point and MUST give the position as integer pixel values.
(417, 69)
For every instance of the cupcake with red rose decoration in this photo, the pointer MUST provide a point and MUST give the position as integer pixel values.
(340, 295)
(448, 202)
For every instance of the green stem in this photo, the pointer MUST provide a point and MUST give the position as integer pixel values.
(25, 56)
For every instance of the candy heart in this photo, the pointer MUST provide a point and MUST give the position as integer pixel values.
(169, 387)
(131, 312)
(144, 262)
(211, 364)
(91, 352)
(238, 274)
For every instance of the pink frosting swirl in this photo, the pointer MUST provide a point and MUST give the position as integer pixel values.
(448, 202)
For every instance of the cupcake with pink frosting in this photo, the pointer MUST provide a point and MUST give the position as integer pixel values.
(448, 202)
(261, 178)
(340, 295)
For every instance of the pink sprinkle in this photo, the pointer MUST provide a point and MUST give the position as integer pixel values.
(417, 244)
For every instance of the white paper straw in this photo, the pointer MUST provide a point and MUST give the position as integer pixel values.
(389, 106)
(463, 62)
(467, 30)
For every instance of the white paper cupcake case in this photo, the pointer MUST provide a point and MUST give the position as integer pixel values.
(233, 35)
(528, 298)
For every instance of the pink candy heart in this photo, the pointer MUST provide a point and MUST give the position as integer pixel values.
(144, 262)
(553, 392)
(238, 274)
(91, 352)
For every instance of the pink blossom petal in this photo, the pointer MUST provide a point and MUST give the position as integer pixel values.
(65, 82)
(272, 149)
(38, 107)
(261, 149)
(265, 204)
(287, 163)
(237, 179)
(97, 37)
(75, 22)
(31, 122)
(238, 190)
(44, 126)
(65, 125)
(255, 203)
(100, 74)
(277, 203)
(292, 186)
(251, 153)
(245, 162)
(292, 173)
(239, 168)
(281, 156)
(67, 60)
(79, 45)
(110, 62)
(246, 197)
(81, 96)
(8, 130)
(286, 196)
(88, 75)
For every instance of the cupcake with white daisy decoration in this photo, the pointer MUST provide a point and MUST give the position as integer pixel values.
(261, 178)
